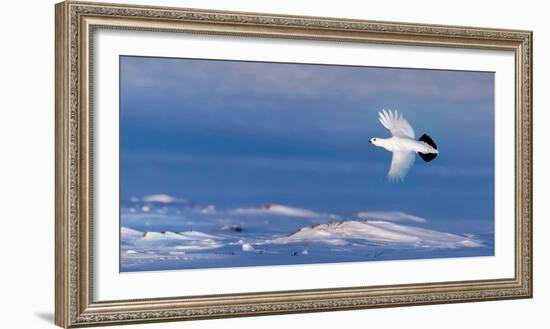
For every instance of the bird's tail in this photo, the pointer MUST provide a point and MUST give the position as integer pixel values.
(427, 156)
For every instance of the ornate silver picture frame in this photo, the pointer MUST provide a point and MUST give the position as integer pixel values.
(75, 302)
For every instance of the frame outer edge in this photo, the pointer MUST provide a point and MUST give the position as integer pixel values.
(72, 306)
(62, 258)
(529, 193)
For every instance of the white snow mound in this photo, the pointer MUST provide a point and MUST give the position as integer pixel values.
(162, 198)
(166, 241)
(377, 232)
(277, 209)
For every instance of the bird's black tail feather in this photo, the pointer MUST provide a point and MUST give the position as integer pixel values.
(427, 156)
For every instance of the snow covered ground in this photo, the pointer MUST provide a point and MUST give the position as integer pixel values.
(160, 232)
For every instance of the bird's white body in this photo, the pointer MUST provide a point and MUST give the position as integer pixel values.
(402, 144)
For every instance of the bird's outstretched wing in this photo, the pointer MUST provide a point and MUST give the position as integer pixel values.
(400, 164)
(396, 123)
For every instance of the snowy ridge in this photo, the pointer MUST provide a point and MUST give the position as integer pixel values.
(189, 235)
(276, 209)
(391, 216)
(158, 241)
(377, 232)
(162, 198)
(128, 233)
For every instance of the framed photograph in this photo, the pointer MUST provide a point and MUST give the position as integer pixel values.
(217, 164)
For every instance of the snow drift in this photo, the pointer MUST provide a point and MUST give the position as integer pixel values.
(378, 233)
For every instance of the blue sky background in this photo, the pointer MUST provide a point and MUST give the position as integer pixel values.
(243, 134)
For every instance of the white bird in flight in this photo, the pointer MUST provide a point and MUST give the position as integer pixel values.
(403, 144)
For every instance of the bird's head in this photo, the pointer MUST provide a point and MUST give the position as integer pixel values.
(376, 141)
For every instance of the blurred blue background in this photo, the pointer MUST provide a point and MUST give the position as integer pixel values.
(242, 134)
